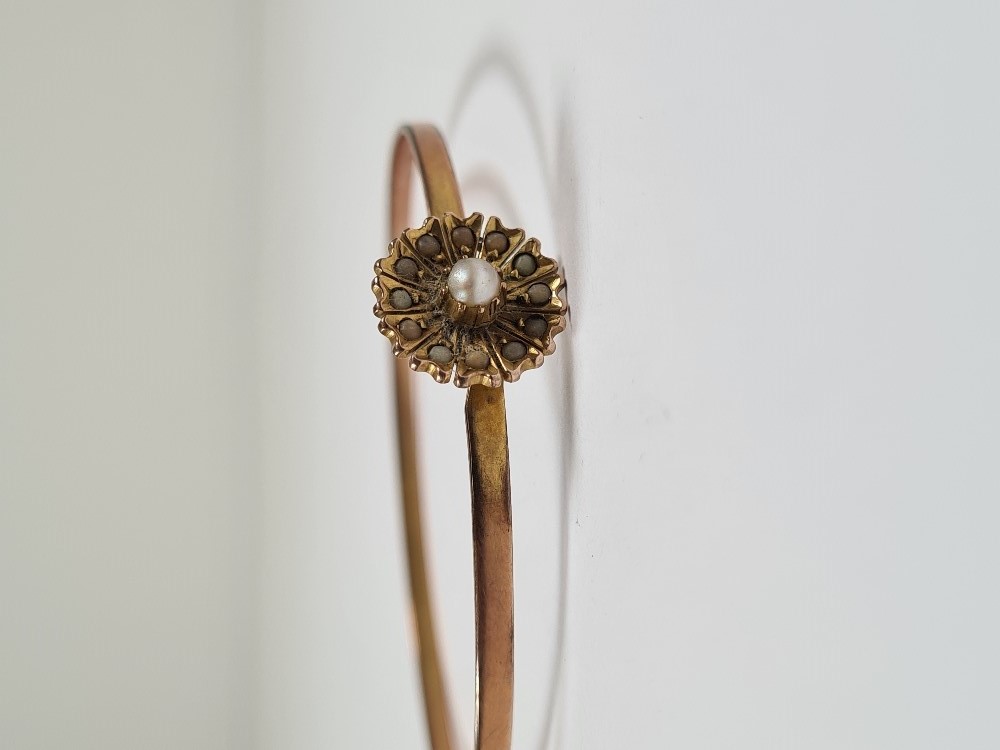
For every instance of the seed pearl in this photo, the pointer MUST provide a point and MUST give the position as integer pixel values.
(539, 294)
(496, 242)
(410, 329)
(535, 326)
(440, 354)
(477, 360)
(428, 245)
(513, 350)
(463, 237)
(400, 299)
(525, 264)
(407, 268)
(474, 281)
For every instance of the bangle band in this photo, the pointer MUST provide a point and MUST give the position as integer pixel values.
(469, 300)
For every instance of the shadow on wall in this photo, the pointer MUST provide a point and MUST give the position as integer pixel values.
(559, 175)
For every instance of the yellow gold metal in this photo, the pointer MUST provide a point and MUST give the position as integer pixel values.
(481, 347)
(493, 555)
(436, 333)
(472, 315)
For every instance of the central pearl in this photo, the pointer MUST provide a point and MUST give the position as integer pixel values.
(474, 281)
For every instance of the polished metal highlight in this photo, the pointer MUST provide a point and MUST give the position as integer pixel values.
(480, 346)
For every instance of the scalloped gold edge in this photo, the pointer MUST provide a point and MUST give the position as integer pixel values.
(506, 371)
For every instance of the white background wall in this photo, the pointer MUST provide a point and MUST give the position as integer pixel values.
(129, 447)
(755, 491)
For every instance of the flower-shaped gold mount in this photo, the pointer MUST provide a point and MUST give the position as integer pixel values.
(462, 319)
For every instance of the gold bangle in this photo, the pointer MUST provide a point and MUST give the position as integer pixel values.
(463, 298)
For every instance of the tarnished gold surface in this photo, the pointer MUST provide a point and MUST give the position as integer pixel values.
(489, 472)
(493, 555)
(487, 344)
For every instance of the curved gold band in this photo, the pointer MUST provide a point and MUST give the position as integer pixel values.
(486, 425)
